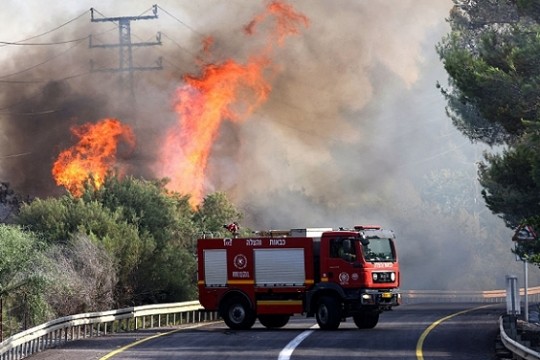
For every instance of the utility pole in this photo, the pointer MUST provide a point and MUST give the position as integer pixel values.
(125, 46)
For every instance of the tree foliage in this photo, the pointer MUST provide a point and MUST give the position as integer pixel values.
(23, 275)
(143, 233)
(58, 220)
(510, 186)
(164, 223)
(20, 256)
(85, 277)
(492, 57)
(130, 242)
(215, 211)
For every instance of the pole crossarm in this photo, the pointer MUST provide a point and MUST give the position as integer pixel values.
(125, 47)
(135, 68)
(139, 44)
(125, 18)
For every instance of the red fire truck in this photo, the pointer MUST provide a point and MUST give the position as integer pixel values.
(329, 274)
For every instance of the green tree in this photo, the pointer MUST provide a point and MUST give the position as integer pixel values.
(215, 211)
(492, 58)
(142, 234)
(163, 219)
(57, 221)
(22, 276)
(166, 216)
(510, 186)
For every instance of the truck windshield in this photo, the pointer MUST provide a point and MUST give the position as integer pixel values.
(378, 250)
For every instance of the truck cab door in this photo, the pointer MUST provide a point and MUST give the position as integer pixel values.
(341, 264)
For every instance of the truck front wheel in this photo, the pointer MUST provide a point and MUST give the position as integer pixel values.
(274, 321)
(366, 319)
(237, 314)
(328, 313)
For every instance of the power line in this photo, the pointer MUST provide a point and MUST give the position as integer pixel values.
(44, 44)
(45, 33)
(180, 21)
(41, 63)
(15, 155)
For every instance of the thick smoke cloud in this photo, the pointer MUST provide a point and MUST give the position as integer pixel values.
(351, 129)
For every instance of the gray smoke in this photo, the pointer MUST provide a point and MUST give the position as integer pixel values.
(351, 131)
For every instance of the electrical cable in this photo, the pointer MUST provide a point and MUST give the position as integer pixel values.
(38, 93)
(41, 63)
(47, 32)
(180, 21)
(177, 44)
(148, 10)
(44, 44)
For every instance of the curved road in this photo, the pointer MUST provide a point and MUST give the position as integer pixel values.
(415, 332)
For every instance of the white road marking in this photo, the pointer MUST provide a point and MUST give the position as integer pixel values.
(287, 351)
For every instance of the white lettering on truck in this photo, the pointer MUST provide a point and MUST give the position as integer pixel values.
(240, 274)
(278, 242)
(253, 242)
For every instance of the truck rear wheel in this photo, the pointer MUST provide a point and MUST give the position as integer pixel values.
(274, 321)
(366, 319)
(237, 314)
(328, 313)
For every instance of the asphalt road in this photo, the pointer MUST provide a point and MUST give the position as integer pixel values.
(415, 332)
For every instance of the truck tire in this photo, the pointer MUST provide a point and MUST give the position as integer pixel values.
(328, 313)
(366, 319)
(237, 314)
(274, 321)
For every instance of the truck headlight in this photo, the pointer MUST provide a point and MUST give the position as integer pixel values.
(393, 276)
(375, 276)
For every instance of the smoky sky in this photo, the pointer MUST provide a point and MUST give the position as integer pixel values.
(351, 129)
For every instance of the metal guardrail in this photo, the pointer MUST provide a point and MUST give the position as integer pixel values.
(80, 326)
(56, 332)
(495, 296)
(519, 350)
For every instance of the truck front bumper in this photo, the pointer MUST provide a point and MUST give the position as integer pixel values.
(384, 298)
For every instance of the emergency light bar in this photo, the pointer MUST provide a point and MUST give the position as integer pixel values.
(367, 227)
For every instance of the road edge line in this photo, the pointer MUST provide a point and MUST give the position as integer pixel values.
(420, 343)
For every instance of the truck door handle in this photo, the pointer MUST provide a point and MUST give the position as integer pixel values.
(334, 267)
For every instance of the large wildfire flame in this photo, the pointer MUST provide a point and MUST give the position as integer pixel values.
(93, 156)
(228, 90)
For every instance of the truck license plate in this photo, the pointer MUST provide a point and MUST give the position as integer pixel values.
(387, 295)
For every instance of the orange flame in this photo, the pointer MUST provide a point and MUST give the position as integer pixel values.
(93, 156)
(287, 21)
(229, 90)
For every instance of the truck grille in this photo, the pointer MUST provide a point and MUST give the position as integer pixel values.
(383, 277)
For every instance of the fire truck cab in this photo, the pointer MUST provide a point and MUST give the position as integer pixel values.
(321, 272)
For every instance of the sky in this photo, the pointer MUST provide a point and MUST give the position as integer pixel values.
(351, 131)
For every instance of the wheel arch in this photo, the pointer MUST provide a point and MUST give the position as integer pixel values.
(320, 290)
(231, 294)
